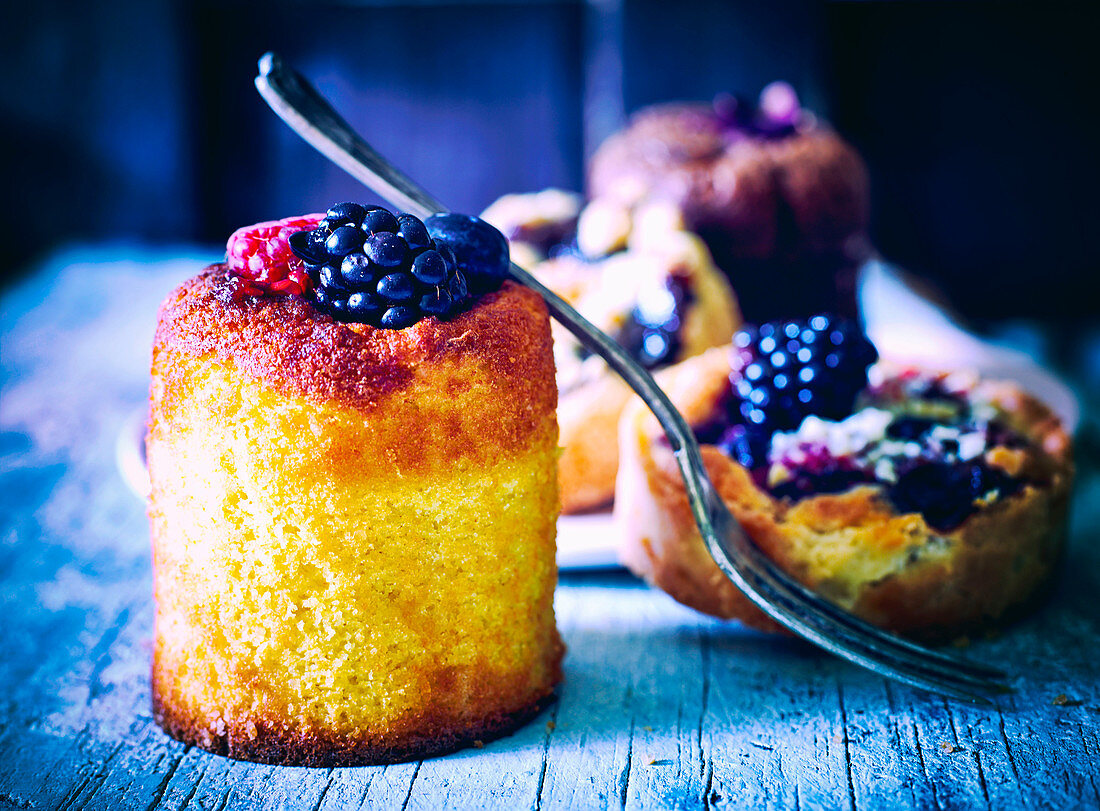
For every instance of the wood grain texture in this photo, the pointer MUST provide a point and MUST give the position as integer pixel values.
(661, 707)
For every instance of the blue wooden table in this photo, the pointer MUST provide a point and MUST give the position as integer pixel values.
(661, 707)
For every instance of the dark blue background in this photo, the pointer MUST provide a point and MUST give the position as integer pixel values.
(138, 120)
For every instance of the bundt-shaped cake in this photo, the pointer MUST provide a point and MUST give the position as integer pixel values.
(353, 527)
(936, 506)
(652, 287)
(780, 199)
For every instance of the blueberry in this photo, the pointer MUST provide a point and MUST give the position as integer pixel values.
(438, 302)
(323, 298)
(309, 246)
(655, 349)
(398, 317)
(412, 230)
(396, 287)
(481, 250)
(430, 268)
(357, 271)
(343, 241)
(909, 428)
(339, 309)
(314, 273)
(364, 307)
(386, 250)
(345, 214)
(378, 221)
(940, 492)
(330, 279)
(833, 477)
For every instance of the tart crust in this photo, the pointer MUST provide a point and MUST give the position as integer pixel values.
(852, 547)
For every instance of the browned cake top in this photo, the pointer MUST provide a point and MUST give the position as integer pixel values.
(289, 344)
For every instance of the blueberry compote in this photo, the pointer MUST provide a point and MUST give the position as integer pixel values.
(921, 438)
(371, 266)
(652, 331)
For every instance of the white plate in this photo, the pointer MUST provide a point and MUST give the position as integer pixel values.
(907, 327)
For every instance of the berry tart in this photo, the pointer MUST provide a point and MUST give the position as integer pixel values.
(780, 199)
(927, 503)
(646, 282)
(352, 446)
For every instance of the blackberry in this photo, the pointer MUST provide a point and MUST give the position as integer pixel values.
(372, 267)
(787, 370)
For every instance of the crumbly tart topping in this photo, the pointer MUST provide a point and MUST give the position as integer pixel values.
(934, 444)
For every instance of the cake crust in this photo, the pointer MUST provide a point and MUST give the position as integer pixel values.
(297, 351)
(852, 547)
(288, 343)
(273, 742)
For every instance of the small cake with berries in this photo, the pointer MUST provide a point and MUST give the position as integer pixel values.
(652, 287)
(780, 199)
(353, 453)
(927, 503)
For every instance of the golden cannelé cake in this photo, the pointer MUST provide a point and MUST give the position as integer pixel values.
(353, 527)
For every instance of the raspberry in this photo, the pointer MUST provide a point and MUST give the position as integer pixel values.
(260, 257)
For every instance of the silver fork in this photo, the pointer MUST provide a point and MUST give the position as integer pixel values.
(786, 601)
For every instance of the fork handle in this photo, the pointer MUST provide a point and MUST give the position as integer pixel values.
(307, 112)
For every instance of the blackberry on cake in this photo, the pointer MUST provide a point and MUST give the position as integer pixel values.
(789, 370)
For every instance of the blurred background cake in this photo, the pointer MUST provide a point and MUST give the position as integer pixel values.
(781, 201)
(638, 275)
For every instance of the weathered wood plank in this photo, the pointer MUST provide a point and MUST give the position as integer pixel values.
(513, 782)
(587, 760)
(661, 708)
(774, 729)
(667, 763)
